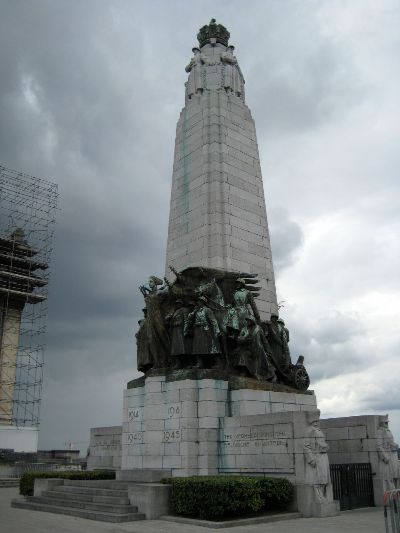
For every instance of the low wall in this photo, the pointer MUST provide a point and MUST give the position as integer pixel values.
(17, 470)
(355, 439)
(105, 448)
(19, 438)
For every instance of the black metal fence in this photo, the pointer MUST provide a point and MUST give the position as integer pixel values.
(352, 485)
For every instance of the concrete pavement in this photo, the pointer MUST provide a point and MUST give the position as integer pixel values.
(22, 520)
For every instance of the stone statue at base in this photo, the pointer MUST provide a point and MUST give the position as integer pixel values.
(387, 453)
(317, 472)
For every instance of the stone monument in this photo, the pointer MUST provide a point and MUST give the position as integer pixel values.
(217, 213)
(220, 392)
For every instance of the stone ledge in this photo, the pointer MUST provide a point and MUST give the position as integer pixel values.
(135, 383)
(139, 475)
(234, 382)
(265, 519)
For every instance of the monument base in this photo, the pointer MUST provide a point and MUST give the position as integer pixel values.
(203, 425)
(308, 507)
(178, 425)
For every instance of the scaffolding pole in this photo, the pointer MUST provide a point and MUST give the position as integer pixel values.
(28, 207)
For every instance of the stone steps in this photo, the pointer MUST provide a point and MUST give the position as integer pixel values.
(81, 496)
(95, 502)
(97, 483)
(70, 489)
(50, 499)
(13, 482)
(81, 513)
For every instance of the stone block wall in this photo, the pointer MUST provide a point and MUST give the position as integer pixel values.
(218, 216)
(244, 402)
(201, 427)
(354, 439)
(168, 425)
(105, 448)
(350, 439)
(181, 425)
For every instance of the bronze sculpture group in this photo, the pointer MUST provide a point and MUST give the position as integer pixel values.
(208, 319)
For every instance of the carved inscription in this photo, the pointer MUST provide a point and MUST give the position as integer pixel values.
(135, 414)
(135, 438)
(267, 448)
(174, 410)
(173, 435)
(266, 440)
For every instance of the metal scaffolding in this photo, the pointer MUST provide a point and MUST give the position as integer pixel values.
(28, 208)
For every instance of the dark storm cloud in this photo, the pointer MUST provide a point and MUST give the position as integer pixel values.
(69, 110)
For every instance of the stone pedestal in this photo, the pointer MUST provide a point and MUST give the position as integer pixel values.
(179, 425)
(308, 507)
(206, 426)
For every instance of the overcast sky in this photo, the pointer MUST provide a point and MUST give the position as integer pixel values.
(90, 92)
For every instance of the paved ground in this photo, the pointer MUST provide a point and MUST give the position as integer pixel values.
(25, 521)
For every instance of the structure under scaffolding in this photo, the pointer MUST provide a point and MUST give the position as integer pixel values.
(27, 220)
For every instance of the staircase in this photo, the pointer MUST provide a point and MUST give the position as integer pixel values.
(9, 482)
(106, 501)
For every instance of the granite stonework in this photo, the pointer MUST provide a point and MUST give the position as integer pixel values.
(104, 451)
(203, 427)
(207, 426)
(209, 402)
(170, 424)
(218, 217)
(358, 439)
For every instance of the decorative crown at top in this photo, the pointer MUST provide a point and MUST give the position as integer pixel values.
(213, 31)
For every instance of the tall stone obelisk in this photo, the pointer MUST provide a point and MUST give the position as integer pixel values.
(218, 217)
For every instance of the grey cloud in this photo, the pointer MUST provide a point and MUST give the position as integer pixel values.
(336, 328)
(286, 238)
(330, 342)
(383, 403)
(306, 91)
(87, 401)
